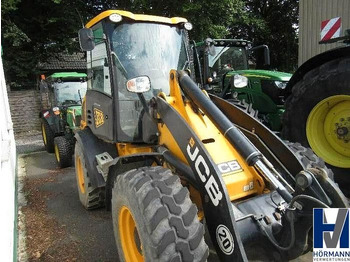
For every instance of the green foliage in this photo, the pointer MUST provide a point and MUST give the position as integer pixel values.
(274, 23)
(34, 30)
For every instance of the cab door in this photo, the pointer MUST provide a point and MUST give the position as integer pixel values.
(99, 101)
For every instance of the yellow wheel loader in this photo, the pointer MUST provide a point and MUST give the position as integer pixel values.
(181, 171)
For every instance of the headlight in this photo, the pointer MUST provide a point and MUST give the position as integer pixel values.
(56, 110)
(115, 18)
(240, 81)
(281, 85)
(188, 26)
(139, 84)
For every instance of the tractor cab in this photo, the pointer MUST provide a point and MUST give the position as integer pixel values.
(226, 66)
(129, 54)
(66, 88)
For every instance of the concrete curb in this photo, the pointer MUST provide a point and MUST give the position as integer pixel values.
(22, 255)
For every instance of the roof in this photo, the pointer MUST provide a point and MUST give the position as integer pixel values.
(68, 74)
(64, 62)
(136, 17)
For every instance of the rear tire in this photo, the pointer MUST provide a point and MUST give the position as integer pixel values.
(328, 80)
(164, 224)
(63, 151)
(48, 136)
(90, 197)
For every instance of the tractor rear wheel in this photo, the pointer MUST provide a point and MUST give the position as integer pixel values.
(154, 218)
(48, 136)
(90, 197)
(318, 115)
(63, 151)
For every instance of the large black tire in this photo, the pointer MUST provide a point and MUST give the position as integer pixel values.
(329, 79)
(63, 151)
(48, 136)
(90, 197)
(308, 158)
(166, 220)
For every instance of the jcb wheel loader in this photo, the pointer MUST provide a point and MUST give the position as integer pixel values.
(173, 163)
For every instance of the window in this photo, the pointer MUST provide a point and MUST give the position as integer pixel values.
(98, 70)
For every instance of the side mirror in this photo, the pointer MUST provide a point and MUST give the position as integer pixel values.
(86, 39)
(210, 45)
(266, 53)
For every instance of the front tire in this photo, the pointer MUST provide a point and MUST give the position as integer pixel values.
(154, 218)
(63, 151)
(90, 197)
(48, 136)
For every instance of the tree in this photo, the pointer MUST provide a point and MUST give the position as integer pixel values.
(34, 30)
(272, 22)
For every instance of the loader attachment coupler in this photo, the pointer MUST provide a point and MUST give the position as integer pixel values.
(246, 149)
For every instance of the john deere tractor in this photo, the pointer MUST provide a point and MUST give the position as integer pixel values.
(60, 115)
(174, 164)
(223, 68)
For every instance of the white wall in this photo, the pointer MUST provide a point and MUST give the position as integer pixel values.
(7, 176)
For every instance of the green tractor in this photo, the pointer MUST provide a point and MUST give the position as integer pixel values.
(60, 114)
(220, 66)
(311, 107)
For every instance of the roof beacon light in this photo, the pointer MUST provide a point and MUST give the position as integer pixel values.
(188, 26)
(116, 18)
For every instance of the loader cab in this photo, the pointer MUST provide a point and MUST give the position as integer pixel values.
(124, 49)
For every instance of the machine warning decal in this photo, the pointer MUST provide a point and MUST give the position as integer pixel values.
(224, 239)
(230, 166)
(98, 117)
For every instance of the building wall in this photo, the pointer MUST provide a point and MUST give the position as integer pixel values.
(25, 107)
(311, 13)
(7, 177)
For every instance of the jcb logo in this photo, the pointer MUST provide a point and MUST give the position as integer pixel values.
(203, 171)
(98, 117)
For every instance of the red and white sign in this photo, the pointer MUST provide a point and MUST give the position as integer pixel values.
(330, 28)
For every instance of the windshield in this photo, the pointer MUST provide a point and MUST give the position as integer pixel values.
(145, 49)
(149, 49)
(228, 58)
(67, 93)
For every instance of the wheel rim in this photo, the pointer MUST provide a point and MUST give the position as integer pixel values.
(44, 133)
(129, 237)
(57, 153)
(328, 130)
(80, 175)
